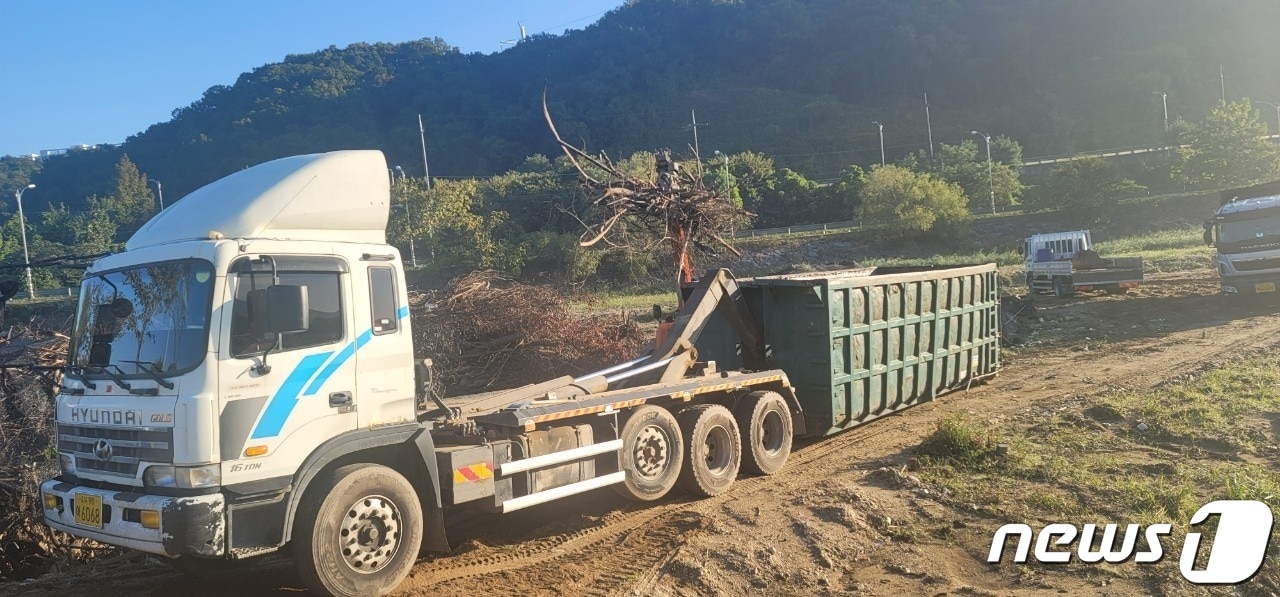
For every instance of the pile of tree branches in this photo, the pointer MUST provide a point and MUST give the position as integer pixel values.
(30, 357)
(486, 333)
(676, 206)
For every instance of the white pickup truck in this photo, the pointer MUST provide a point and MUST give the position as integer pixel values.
(1064, 263)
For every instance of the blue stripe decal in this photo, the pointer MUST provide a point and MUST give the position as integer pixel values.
(338, 361)
(282, 403)
(286, 398)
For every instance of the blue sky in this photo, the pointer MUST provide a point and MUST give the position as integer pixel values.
(92, 71)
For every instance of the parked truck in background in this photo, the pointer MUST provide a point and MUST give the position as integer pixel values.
(1065, 262)
(241, 379)
(1245, 231)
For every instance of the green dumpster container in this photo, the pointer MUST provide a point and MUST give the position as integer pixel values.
(860, 344)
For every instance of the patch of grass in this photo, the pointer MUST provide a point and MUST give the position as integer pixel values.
(1001, 258)
(1162, 251)
(959, 441)
(1209, 436)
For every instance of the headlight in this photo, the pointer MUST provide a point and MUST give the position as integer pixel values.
(67, 464)
(183, 477)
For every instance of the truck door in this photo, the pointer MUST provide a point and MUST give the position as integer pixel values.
(284, 395)
(384, 384)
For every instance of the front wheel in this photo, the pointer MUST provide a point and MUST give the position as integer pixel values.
(361, 537)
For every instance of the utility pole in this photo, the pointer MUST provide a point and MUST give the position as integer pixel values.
(881, 126)
(160, 190)
(1223, 79)
(22, 225)
(693, 123)
(422, 135)
(990, 181)
(928, 122)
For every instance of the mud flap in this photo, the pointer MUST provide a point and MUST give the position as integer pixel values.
(433, 533)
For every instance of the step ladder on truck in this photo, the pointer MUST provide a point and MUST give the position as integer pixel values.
(242, 381)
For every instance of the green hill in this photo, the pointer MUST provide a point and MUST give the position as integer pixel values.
(799, 81)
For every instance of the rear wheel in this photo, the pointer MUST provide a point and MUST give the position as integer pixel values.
(765, 424)
(713, 449)
(652, 454)
(362, 536)
(1062, 288)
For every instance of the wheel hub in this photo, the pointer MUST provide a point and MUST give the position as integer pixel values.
(651, 451)
(369, 534)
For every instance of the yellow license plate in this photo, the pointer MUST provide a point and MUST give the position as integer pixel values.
(1268, 287)
(88, 509)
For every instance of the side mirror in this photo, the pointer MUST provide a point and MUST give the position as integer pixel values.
(287, 309)
(1209, 236)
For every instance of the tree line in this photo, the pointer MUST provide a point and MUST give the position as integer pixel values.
(527, 221)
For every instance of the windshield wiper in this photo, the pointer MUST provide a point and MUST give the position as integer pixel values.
(153, 372)
(116, 378)
(77, 373)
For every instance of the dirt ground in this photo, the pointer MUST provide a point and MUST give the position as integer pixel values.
(835, 519)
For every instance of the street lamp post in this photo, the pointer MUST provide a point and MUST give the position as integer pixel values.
(1277, 107)
(990, 181)
(160, 191)
(726, 171)
(1164, 101)
(22, 225)
(408, 216)
(881, 127)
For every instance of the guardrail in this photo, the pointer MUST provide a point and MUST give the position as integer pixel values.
(69, 292)
(798, 229)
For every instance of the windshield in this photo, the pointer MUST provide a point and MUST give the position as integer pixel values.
(144, 321)
(1261, 230)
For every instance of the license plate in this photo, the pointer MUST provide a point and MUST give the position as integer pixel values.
(1268, 287)
(88, 509)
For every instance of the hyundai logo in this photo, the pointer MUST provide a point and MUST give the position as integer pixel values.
(102, 449)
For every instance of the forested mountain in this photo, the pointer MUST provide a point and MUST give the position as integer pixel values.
(796, 80)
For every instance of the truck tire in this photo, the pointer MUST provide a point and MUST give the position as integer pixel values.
(764, 421)
(1062, 288)
(361, 537)
(652, 454)
(713, 449)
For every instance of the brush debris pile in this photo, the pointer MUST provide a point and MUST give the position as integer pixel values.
(676, 207)
(29, 357)
(487, 333)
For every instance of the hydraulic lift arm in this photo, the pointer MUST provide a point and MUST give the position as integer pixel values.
(716, 291)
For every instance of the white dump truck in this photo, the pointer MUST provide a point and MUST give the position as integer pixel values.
(241, 379)
(1065, 262)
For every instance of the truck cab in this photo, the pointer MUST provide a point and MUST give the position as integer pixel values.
(1245, 231)
(211, 358)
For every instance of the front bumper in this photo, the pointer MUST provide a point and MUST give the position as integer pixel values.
(1255, 284)
(193, 525)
